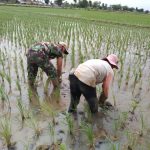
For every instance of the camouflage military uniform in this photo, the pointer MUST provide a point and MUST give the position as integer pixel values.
(39, 55)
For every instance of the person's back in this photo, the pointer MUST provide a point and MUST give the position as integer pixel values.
(86, 76)
(39, 55)
(93, 71)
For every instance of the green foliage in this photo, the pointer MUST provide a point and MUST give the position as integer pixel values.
(5, 131)
(70, 123)
(87, 129)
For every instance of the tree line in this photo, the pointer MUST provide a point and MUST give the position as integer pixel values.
(84, 4)
(98, 5)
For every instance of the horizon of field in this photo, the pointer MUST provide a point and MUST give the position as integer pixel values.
(132, 19)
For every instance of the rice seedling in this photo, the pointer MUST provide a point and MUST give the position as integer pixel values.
(55, 95)
(128, 75)
(132, 140)
(16, 66)
(87, 129)
(115, 146)
(52, 133)
(2, 74)
(23, 111)
(18, 86)
(134, 105)
(22, 68)
(5, 131)
(88, 112)
(70, 123)
(62, 146)
(26, 146)
(73, 56)
(34, 124)
(4, 98)
(47, 108)
(8, 78)
(143, 125)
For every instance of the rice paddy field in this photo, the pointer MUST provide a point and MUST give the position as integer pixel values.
(37, 121)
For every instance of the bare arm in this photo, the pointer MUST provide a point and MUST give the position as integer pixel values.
(59, 66)
(105, 87)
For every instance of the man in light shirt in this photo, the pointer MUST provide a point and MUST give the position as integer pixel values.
(85, 78)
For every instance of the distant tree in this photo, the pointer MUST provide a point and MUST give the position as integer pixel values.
(47, 2)
(59, 2)
(125, 8)
(141, 10)
(116, 7)
(66, 4)
(146, 11)
(83, 3)
(131, 9)
(90, 3)
(75, 1)
(96, 4)
(104, 6)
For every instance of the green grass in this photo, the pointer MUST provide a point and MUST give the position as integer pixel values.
(127, 18)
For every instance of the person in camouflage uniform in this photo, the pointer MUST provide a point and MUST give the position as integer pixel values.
(39, 55)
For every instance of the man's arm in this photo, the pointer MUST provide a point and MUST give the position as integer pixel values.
(105, 88)
(59, 67)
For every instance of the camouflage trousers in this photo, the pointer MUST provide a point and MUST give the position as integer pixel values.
(39, 59)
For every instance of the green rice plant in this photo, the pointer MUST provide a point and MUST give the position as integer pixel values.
(46, 85)
(2, 62)
(52, 132)
(134, 105)
(2, 74)
(73, 56)
(8, 78)
(115, 146)
(62, 146)
(22, 68)
(26, 146)
(120, 122)
(135, 82)
(132, 140)
(4, 98)
(142, 124)
(87, 129)
(128, 75)
(18, 86)
(34, 124)
(22, 110)
(70, 123)
(47, 108)
(5, 131)
(88, 112)
(116, 127)
(55, 95)
(114, 99)
(16, 68)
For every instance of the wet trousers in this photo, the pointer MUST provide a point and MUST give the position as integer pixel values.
(36, 60)
(76, 89)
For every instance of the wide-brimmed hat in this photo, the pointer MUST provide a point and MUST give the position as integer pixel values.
(65, 46)
(113, 60)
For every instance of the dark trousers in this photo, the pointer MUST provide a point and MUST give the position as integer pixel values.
(76, 89)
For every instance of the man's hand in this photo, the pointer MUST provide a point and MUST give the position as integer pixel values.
(102, 99)
(60, 79)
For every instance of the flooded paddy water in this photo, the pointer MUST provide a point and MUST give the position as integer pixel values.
(33, 120)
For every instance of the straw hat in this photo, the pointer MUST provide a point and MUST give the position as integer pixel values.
(113, 60)
(65, 46)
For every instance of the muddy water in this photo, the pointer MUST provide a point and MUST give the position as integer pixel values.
(107, 131)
